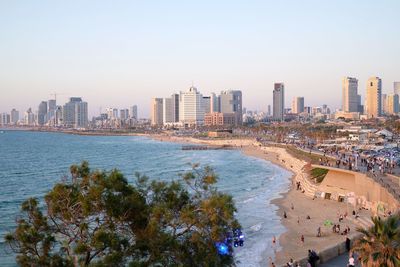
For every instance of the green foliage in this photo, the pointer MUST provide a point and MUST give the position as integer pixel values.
(98, 219)
(380, 245)
(318, 174)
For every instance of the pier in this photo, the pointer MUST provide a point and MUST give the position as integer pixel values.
(203, 147)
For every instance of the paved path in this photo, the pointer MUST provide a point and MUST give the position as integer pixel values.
(340, 261)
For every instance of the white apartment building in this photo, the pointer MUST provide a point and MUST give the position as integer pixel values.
(191, 108)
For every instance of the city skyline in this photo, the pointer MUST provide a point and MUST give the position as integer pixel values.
(130, 52)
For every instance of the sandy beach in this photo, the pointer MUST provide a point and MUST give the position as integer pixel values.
(294, 203)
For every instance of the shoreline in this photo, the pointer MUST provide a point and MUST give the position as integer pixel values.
(289, 241)
(319, 210)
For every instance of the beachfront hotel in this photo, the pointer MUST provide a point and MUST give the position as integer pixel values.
(157, 111)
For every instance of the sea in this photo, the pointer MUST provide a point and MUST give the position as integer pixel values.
(32, 162)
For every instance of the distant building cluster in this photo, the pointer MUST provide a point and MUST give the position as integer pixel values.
(191, 108)
(376, 103)
(116, 118)
(73, 114)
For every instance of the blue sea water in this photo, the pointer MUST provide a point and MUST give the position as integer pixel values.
(32, 162)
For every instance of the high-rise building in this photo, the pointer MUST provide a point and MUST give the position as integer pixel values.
(75, 113)
(298, 105)
(360, 107)
(133, 113)
(112, 113)
(42, 112)
(157, 111)
(269, 110)
(81, 115)
(4, 119)
(51, 111)
(278, 101)
(207, 104)
(384, 103)
(231, 102)
(14, 116)
(29, 118)
(396, 88)
(373, 105)
(350, 94)
(191, 109)
(171, 109)
(124, 114)
(58, 120)
(168, 111)
(392, 104)
(175, 100)
(215, 103)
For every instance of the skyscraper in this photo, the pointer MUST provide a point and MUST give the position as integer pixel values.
(157, 111)
(191, 109)
(14, 116)
(4, 119)
(29, 117)
(215, 103)
(207, 104)
(42, 113)
(175, 100)
(81, 114)
(75, 113)
(298, 105)
(124, 114)
(171, 109)
(396, 88)
(168, 111)
(373, 101)
(51, 111)
(349, 94)
(384, 103)
(231, 102)
(278, 101)
(392, 104)
(133, 113)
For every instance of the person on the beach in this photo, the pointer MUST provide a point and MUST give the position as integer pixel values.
(284, 215)
(319, 232)
(351, 261)
(302, 239)
(292, 207)
(273, 240)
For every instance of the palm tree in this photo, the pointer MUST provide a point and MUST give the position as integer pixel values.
(380, 244)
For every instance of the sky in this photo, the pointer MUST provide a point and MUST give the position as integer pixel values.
(121, 53)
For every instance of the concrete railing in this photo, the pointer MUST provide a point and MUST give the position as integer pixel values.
(330, 252)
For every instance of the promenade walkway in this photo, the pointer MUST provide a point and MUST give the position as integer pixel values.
(389, 181)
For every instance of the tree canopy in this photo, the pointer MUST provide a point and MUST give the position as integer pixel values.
(380, 244)
(96, 218)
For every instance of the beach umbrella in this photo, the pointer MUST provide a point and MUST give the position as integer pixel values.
(328, 223)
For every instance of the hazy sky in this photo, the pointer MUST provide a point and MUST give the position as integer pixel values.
(120, 53)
